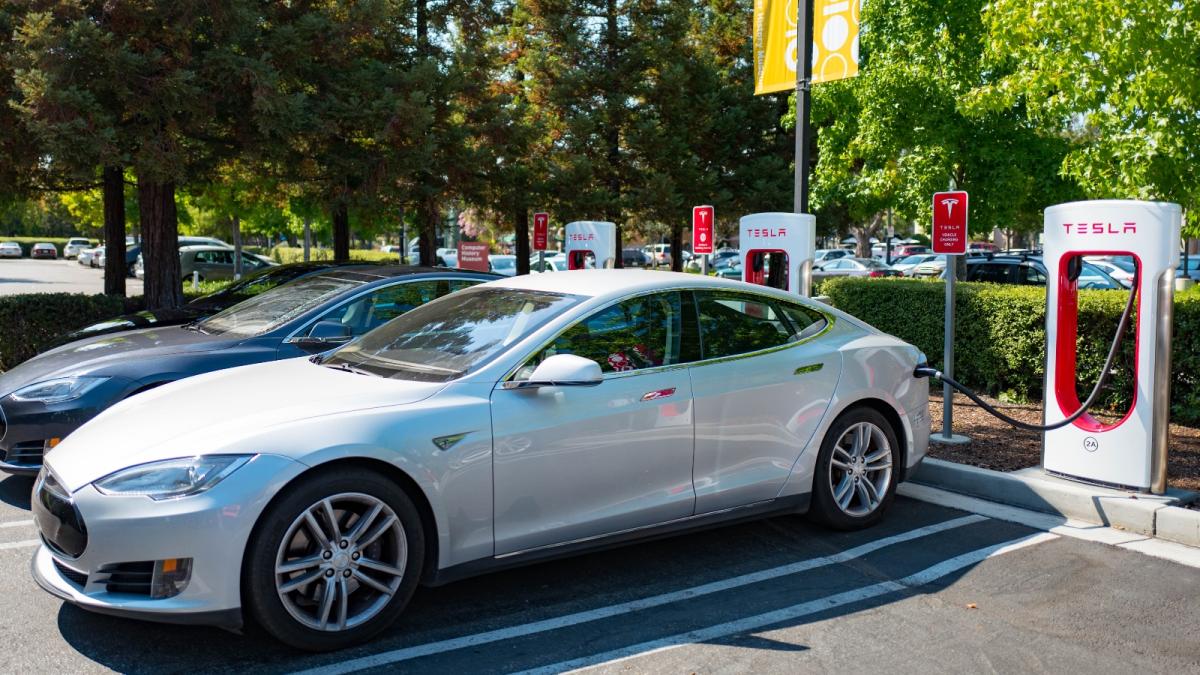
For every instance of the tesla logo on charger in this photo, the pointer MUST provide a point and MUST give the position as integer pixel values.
(581, 237)
(1100, 228)
(766, 232)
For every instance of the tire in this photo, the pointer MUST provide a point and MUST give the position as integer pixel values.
(294, 616)
(863, 505)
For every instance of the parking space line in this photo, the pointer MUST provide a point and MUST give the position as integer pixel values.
(522, 630)
(748, 624)
(19, 544)
(17, 523)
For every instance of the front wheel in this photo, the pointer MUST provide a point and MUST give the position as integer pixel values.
(855, 479)
(334, 561)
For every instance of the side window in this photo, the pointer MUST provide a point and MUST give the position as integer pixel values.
(732, 324)
(805, 322)
(203, 257)
(1032, 276)
(643, 332)
(223, 257)
(376, 308)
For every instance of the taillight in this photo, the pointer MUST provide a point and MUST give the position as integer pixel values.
(876, 274)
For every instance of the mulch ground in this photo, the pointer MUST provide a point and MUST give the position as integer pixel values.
(996, 445)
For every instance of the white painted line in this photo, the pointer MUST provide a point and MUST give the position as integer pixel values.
(577, 618)
(794, 612)
(1075, 529)
(20, 544)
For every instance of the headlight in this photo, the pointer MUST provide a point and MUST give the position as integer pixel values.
(171, 478)
(57, 390)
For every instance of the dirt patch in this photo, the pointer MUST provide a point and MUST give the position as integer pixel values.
(996, 445)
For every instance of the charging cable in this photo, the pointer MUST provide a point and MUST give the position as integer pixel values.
(926, 371)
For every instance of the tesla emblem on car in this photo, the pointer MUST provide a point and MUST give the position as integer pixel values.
(1091, 444)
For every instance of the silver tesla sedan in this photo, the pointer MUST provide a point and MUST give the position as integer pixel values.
(514, 421)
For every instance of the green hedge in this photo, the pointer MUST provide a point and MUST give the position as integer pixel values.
(288, 254)
(28, 242)
(30, 322)
(1000, 335)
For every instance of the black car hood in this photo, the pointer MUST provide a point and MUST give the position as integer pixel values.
(102, 355)
(143, 319)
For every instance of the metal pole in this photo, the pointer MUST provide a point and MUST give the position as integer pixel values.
(948, 366)
(307, 238)
(803, 80)
(542, 261)
(704, 264)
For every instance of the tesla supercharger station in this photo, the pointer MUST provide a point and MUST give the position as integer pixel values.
(793, 235)
(1130, 452)
(590, 236)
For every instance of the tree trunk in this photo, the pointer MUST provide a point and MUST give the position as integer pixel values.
(613, 132)
(521, 231)
(427, 236)
(307, 238)
(235, 224)
(114, 231)
(676, 247)
(160, 244)
(341, 231)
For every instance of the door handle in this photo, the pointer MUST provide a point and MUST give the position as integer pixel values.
(661, 393)
(810, 368)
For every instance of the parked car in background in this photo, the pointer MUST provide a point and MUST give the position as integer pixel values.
(721, 255)
(826, 254)
(44, 250)
(11, 249)
(905, 265)
(982, 248)
(1121, 268)
(501, 425)
(635, 257)
(98, 257)
(74, 246)
(1031, 271)
(853, 267)
(49, 396)
(557, 263)
(249, 286)
(505, 265)
(928, 269)
(905, 250)
(1193, 268)
(660, 254)
(213, 262)
(85, 256)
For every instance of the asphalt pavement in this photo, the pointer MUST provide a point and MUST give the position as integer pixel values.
(929, 590)
(26, 275)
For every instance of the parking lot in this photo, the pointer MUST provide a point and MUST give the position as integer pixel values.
(55, 276)
(931, 589)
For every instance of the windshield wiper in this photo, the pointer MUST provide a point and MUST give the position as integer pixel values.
(349, 368)
(195, 325)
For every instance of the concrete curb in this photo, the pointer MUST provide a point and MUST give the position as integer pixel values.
(1151, 515)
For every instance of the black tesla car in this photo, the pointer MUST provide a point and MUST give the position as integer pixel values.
(54, 393)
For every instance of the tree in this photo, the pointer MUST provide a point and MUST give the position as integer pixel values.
(1121, 79)
(900, 131)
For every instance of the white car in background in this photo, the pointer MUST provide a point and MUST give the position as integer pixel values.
(1122, 268)
(556, 263)
(905, 265)
(503, 264)
(10, 249)
(929, 269)
(503, 424)
(85, 256)
(74, 246)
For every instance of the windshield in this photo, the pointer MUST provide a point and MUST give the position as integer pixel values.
(264, 313)
(453, 335)
(503, 263)
(912, 260)
(871, 263)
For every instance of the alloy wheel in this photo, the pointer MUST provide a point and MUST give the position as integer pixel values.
(341, 562)
(860, 469)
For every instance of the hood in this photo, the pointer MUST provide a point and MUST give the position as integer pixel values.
(215, 412)
(93, 355)
(144, 319)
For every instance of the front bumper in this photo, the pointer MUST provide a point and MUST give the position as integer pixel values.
(29, 424)
(211, 528)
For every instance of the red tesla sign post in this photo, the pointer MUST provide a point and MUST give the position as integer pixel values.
(950, 238)
(702, 234)
(541, 237)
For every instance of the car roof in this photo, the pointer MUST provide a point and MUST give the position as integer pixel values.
(373, 272)
(619, 282)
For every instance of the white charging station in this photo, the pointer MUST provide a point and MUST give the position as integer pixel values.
(791, 235)
(1130, 452)
(593, 237)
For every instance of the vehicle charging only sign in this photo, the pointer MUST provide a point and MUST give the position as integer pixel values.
(541, 231)
(950, 222)
(702, 230)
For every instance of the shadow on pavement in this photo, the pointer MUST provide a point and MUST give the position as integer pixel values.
(16, 491)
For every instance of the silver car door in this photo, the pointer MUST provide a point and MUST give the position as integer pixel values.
(571, 463)
(764, 383)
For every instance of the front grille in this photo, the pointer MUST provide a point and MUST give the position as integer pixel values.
(129, 577)
(57, 517)
(74, 576)
(27, 453)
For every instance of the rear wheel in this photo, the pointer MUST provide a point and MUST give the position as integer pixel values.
(855, 479)
(334, 561)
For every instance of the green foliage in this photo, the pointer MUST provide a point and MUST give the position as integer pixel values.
(286, 254)
(29, 322)
(1000, 336)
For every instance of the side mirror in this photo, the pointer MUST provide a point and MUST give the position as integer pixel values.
(563, 370)
(327, 333)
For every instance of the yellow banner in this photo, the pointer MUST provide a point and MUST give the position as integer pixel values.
(835, 42)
